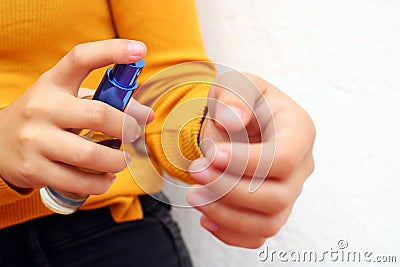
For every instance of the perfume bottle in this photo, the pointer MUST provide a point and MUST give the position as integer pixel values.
(116, 88)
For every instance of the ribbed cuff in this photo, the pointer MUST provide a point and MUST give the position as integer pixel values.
(173, 137)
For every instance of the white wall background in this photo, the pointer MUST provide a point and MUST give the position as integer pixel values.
(341, 61)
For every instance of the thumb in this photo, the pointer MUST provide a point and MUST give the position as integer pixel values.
(73, 68)
(231, 101)
(230, 116)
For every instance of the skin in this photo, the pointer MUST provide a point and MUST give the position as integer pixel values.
(240, 217)
(38, 140)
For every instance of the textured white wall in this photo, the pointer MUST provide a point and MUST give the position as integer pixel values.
(341, 61)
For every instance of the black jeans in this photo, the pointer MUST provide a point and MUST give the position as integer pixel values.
(92, 238)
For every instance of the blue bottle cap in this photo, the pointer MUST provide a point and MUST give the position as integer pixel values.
(118, 84)
(126, 75)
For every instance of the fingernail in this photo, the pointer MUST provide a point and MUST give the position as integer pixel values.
(128, 157)
(114, 177)
(134, 135)
(136, 49)
(209, 225)
(239, 113)
(222, 157)
(232, 118)
(196, 199)
(151, 116)
(138, 132)
(199, 172)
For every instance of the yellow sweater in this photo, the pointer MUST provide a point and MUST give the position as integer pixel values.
(35, 35)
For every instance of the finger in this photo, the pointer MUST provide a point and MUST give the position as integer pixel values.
(292, 131)
(230, 237)
(243, 159)
(245, 221)
(69, 178)
(98, 116)
(276, 158)
(70, 71)
(295, 133)
(232, 98)
(252, 160)
(143, 114)
(77, 151)
(273, 196)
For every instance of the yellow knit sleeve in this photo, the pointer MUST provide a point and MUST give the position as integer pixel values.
(172, 138)
(9, 195)
(176, 78)
(170, 31)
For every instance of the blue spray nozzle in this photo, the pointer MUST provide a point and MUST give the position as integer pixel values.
(127, 74)
(119, 84)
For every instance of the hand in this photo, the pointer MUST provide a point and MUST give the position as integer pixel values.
(256, 164)
(37, 148)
